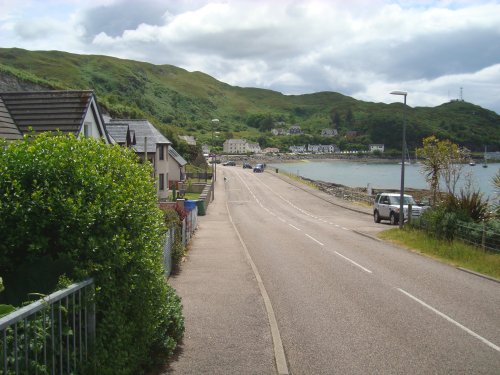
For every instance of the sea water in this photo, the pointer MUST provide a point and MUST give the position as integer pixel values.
(385, 175)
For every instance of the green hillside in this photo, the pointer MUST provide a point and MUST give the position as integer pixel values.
(182, 102)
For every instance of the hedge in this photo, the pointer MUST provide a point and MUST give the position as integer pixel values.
(84, 208)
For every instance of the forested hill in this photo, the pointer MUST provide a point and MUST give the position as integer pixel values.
(182, 102)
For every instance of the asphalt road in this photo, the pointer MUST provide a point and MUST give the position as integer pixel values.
(345, 303)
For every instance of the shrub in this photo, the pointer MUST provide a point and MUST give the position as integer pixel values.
(173, 219)
(470, 204)
(93, 207)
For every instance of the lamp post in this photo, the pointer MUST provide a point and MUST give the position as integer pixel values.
(402, 190)
(214, 121)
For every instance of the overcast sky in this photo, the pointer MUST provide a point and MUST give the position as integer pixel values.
(361, 48)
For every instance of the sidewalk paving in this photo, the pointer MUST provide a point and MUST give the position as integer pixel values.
(227, 329)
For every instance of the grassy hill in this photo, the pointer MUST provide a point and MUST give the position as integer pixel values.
(182, 102)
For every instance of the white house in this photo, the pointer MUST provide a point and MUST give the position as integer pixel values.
(235, 146)
(321, 149)
(329, 132)
(278, 131)
(253, 147)
(297, 149)
(376, 147)
(295, 129)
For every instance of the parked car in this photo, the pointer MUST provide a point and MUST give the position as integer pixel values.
(258, 168)
(387, 205)
(230, 163)
(247, 166)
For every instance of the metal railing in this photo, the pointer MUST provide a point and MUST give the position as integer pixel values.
(189, 225)
(53, 335)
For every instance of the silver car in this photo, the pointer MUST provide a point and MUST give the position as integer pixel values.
(386, 207)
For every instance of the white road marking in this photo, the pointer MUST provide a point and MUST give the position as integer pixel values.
(314, 239)
(294, 227)
(470, 332)
(279, 351)
(353, 262)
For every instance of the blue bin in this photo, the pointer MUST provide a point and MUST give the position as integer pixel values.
(189, 205)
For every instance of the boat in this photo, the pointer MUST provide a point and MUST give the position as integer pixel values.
(472, 162)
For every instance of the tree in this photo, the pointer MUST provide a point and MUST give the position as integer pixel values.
(442, 159)
(349, 118)
(335, 118)
(91, 208)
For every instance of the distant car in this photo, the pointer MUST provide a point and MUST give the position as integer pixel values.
(258, 168)
(230, 163)
(386, 207)
(247, 166)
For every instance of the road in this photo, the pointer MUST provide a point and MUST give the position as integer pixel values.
(345, 303)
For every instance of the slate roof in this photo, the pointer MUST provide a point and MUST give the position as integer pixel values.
(178, 158)
(48, 110)
(119, 132)
(8, 128)
(143, 128)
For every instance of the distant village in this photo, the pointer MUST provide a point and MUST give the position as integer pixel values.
(242, 146)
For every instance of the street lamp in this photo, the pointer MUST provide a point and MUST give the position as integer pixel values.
(214, 169)
(402, 190)
(214, 121)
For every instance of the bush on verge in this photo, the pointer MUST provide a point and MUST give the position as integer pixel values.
(94, 207)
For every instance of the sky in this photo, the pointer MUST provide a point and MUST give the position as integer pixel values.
(436, 51)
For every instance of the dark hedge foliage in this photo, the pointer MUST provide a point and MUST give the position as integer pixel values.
(93, 208)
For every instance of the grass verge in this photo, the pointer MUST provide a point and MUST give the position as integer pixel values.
(455, 253)
(298, 179)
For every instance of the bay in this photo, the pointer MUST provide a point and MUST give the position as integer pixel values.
(383, 175)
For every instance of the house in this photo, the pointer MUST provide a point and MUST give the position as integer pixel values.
(121, 134)
(189, 139)
(74, 112)
(271, 150)
(321, 149)
(150, 144)
(235, 146)
(253, 147)
(329, 132)
(376, 147)
(8, 128)
(205, 149)
(176, 167)
(297, 149)
(278, 131)
(295, 129)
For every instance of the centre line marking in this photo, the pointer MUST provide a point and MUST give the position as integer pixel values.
(294, 227)
(470, 332)
(314, 239)
(353, 262)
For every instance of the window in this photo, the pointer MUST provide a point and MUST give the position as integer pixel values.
(161, 181)
(87, 129)
(162, 152)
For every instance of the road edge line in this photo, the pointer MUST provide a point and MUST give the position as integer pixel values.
(279, 351)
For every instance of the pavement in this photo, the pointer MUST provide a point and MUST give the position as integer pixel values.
(228, 329)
